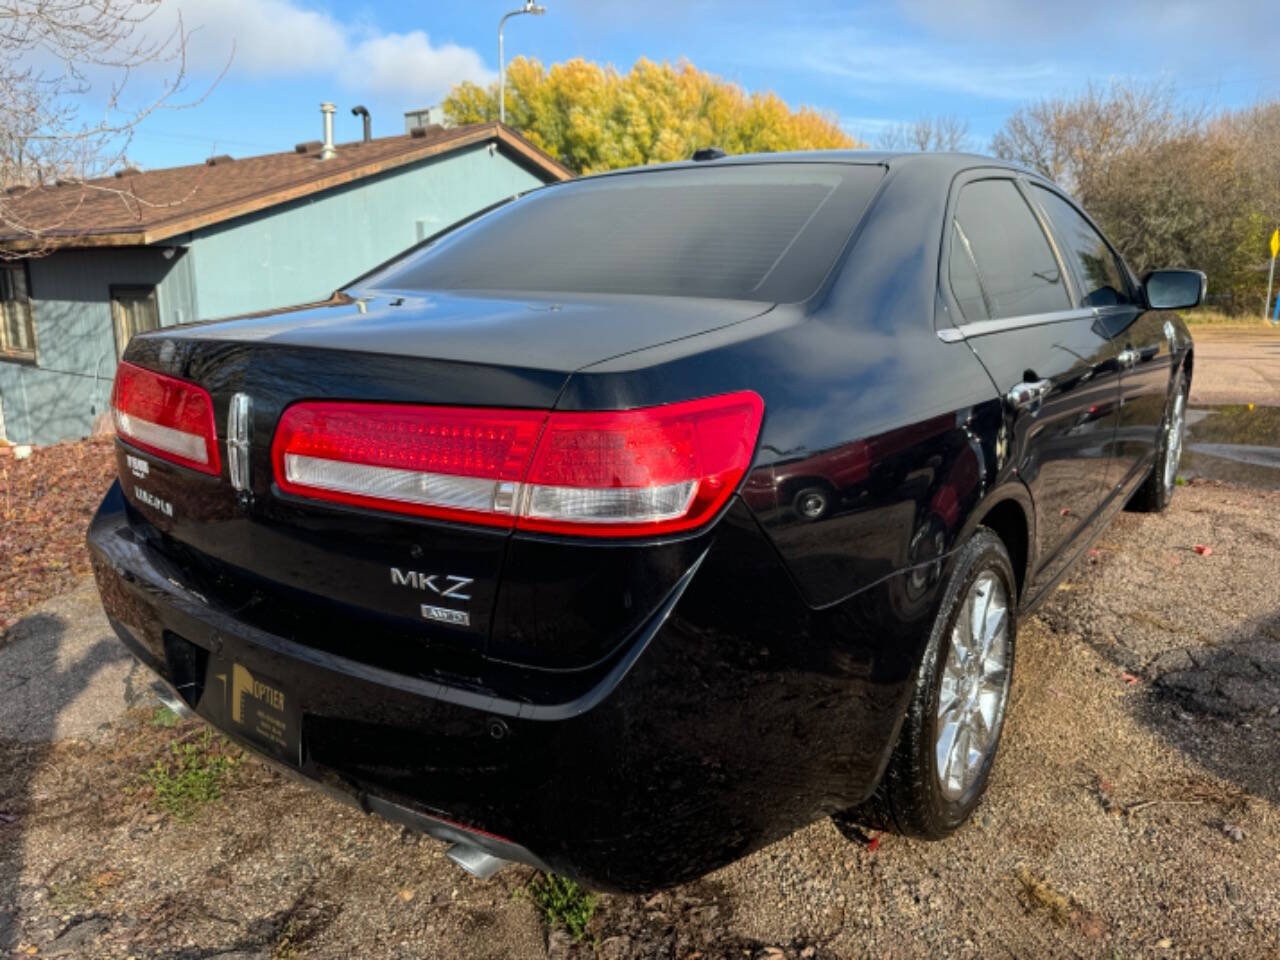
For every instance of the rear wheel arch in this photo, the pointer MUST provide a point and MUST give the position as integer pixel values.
(1009, 519)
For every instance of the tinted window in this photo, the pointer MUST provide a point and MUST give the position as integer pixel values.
(1102, 283)
(965, 284)
(766, 232)
(1015, 262)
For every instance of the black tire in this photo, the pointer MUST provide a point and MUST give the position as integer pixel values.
(909, 798)
(1154, 494)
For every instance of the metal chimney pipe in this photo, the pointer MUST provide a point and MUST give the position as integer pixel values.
(363, 112)
(327, 152)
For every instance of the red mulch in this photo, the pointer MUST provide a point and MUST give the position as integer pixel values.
(46, 502)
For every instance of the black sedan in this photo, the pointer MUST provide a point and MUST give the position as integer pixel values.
(643, 519)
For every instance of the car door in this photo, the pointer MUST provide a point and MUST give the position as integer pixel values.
(1144, 350)
(1017, 307)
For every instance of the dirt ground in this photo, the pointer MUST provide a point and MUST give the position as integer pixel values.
(1133, 813)
(1236, 365)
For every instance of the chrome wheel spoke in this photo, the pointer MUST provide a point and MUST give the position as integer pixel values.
(993, 630)
(983, 589)
(1174, 433)
(944, 748)
(962, 635)
(981, 727)
(958, 758)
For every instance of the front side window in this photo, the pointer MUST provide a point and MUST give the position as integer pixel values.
(753, 231)
(1018, 270)
(134, 310)
(1102, 283)
(17, 334)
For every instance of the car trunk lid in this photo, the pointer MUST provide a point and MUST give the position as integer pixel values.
(408, 593)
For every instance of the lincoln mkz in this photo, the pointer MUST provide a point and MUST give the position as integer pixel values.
(643, 519)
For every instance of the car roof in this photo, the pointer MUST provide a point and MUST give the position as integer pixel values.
(942, 164)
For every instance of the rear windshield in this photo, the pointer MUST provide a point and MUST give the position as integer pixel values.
(766, 232)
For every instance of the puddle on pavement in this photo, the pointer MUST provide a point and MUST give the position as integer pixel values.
(1236, 443)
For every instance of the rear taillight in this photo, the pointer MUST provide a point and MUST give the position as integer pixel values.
(451, 462)
(165, 416)
(639, 472)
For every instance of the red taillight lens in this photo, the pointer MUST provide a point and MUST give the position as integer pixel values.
(653, 470)
(165, 416)
(625, 473)
(452, 462)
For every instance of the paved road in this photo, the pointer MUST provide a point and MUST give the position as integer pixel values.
(1235, 365)
(64, 674)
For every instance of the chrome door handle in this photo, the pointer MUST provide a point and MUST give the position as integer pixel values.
(1028, 394)
(1128, 358)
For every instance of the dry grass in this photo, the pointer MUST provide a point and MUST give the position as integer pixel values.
(1206, 316)
(1039, 895)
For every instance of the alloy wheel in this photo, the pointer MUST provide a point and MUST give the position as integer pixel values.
(1173, 439)
(974, 687)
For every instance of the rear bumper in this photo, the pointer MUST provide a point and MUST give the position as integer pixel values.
(735, 716)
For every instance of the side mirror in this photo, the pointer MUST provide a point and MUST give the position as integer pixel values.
(1174, 289)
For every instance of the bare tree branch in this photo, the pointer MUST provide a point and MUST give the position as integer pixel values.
(943, 133)
(61, 62)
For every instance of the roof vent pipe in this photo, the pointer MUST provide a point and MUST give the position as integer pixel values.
(327, 151)
(361, 111)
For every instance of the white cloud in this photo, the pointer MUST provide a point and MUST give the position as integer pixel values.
(881, 67)
(283, 37)
(407, 62)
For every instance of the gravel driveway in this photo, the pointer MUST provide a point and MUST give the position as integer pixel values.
(1133, 811)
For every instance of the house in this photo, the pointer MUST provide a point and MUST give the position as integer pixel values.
(138, 251)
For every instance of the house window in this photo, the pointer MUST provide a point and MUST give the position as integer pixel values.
(134, 310)
(17, 336)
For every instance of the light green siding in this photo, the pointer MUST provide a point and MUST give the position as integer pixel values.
(58, 397)
(304, 250)
(288, 254)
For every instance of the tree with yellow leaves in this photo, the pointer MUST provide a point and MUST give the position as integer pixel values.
(593, 118)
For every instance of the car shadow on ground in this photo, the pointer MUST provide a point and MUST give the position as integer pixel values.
(1219, 704)
(36, 686)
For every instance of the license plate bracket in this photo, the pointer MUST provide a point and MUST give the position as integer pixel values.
(255, 706)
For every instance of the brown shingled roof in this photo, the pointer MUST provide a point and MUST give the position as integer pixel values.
(141, 208)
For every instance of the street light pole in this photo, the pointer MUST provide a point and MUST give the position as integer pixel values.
(529, 7)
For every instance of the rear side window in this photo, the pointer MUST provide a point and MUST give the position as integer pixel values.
(1102, 283)
(1015, 263)
(767, 232)
(965, 283)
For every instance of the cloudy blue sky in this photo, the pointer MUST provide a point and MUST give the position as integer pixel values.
(871, 65)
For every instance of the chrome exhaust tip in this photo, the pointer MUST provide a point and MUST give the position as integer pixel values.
(474, 860)
(172, 701)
